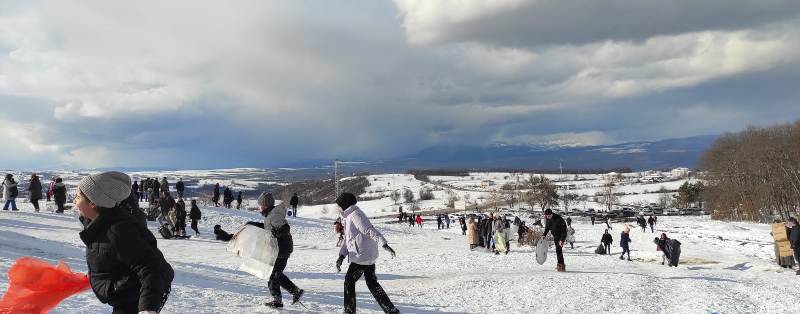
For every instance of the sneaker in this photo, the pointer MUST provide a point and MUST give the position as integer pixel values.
(274, 304)
(296, 297)
(621, 258)
(629, 259)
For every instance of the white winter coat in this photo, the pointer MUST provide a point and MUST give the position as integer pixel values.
(7, 185)
(362, 240)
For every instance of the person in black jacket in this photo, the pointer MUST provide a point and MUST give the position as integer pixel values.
(794, 239)
(180, 217)
(558, 227)
(215, 196)
(126, 269)
(294, 202)
(35, 189)
(275, 224)
(607, 240)
(180, 187)
(195, 215)
(60, 195)
(135, 188)
(239, 200)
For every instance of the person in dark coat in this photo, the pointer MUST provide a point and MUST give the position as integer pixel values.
(607, 240)
(180, 217)
(10, 192)
(624, 242)
(276, 225)
(592, 217)
(463, 224)
(180, 187)
(126, 268)
(35, 191)
(439, 222)
(652, 222)
(135, 188)
(558, 227)
(227, 197)
(239, 200)
(156, 188)
(195, 215)
(215, 196)
(60, 195)
(661, 245)
(794, 239)
(294, 202)
(141, 192)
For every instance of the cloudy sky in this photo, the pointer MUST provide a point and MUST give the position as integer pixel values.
(205, 84)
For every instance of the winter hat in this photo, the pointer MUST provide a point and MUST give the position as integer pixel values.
(106, 189)
(266, 200)
(548, 211)
(345, 200)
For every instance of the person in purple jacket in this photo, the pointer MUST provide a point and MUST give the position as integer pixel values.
(361, 248)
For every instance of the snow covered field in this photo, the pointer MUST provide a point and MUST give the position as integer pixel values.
(725, 267)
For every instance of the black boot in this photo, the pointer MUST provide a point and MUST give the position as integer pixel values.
(276, 303)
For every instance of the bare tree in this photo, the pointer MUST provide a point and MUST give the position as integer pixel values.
(569, 199)
(395, 196)
(608, 196)
(408, 195)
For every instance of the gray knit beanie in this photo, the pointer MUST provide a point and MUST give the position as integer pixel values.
(106, 189)
(266, 200)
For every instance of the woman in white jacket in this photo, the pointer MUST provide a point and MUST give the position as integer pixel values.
(361, 248)
(10, 192)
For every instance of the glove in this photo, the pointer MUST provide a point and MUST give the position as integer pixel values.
(339, 263)
(388, 248)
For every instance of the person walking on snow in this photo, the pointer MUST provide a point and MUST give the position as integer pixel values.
(275, 225)
(472, 233)
(215, 195)
(558, 226)
(447, 220)
(180, 187)
(624, 241)
(135, 189)
(294, 201)
(50, 187)
(195, 215)
(463, 224)
(338, 228)
(60, 195)
(438, 222)
(164, 185)
(607, 240)
(180, 217)
(571, 236)
(592, 217)
(794, 239)
(652, 222)
(10, 192)
(361, 249)
(239, 200)
(608, 223)
(35, 191)
(661, 245)
(126, 268)
(419, 221)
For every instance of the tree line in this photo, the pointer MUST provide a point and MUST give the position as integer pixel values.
(754, 175)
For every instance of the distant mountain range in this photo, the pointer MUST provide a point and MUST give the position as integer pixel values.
(669, 153)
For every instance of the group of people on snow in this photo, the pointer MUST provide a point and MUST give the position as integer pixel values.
(56, 190)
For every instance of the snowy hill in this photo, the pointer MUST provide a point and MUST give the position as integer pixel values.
(725, 267)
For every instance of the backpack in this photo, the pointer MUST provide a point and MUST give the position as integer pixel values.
(165, 232)
(13, 192)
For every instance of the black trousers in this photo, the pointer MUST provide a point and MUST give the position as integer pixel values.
(559, 254)
(35, 204)
(608, 248)
(278, 280)
(194, 225)
(354, 273)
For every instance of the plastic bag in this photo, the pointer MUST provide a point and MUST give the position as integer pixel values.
(35, 286)
(258, 250)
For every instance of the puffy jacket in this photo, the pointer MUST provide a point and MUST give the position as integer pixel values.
(179, 186)
(7, 185)
(558, 226)
(275, 223)
(607, 239)
(624, 239)
(194, 213)
(125, 266)
(294, 201)
(472, 233)
(362, 240)
(794, 237)
(60, 192)
(35, 189)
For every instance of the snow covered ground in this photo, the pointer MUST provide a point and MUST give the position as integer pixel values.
(726, 267)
